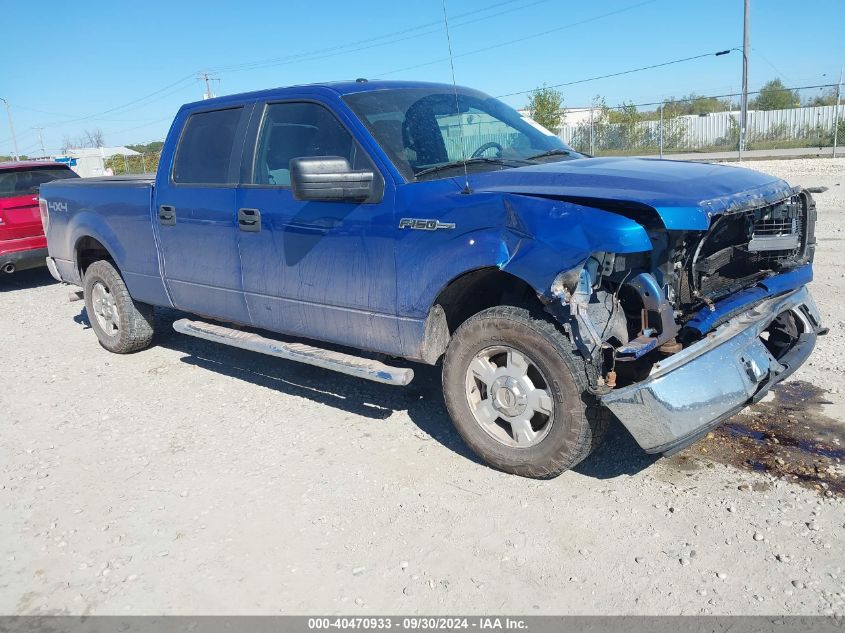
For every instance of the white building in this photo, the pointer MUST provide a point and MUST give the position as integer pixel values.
(91, 161)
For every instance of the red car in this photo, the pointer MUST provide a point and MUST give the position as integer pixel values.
(22, 241)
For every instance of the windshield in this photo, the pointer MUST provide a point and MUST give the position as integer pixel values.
(22, 182)
(420, 129)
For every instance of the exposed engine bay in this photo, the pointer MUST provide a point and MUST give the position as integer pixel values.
(626, 312)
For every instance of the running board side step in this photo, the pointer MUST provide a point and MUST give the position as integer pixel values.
(299, 352)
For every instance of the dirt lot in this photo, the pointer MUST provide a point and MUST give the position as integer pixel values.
(192, 478)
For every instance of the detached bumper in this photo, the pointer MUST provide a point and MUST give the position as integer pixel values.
(696, 389)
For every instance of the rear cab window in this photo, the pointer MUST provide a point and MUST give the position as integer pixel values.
(23, 181)
(205, 154)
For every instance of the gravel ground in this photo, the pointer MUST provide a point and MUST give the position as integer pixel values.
(192, 478)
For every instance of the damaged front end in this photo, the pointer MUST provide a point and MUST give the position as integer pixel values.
(679, 338)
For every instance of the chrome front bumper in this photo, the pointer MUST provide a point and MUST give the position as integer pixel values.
(690, 392)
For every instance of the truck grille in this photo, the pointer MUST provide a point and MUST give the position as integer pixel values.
(776, 226)
(777, 233)
(744, 247)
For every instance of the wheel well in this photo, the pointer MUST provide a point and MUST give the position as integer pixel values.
(481, 289)
(88, 251)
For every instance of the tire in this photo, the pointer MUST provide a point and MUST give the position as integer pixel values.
(121, 324)
(566, 423)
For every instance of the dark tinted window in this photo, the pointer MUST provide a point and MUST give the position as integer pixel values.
(205, 148)
(294, 130)
(22, 182)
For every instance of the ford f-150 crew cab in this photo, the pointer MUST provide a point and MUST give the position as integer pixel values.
(402, 220)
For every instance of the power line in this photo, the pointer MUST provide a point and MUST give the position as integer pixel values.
(61, 114)
(23, 134)
(336, 50)
(129, 105)
(521, 39)
(719, 96)
(304, 56)
(138, 127)
(766, 59)
(620, 73)
(429, 28)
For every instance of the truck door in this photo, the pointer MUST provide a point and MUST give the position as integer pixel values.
(195, 215)
(322, 270)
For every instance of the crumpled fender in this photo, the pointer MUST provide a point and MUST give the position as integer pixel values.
(556, 236)
(530, 237)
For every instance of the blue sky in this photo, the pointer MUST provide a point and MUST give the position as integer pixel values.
(126, 68)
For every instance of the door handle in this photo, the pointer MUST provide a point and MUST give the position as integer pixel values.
(249, 220)
(167, 215)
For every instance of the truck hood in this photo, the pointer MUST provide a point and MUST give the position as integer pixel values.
(685, 195)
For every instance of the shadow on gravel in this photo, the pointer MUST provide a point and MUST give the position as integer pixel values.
(422, 399)
(26, 279)
(82, 318)
(787, 437)
(618, 455)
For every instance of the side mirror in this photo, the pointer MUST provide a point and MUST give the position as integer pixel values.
(329, 178)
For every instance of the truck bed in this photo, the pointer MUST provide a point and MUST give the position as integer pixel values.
(115, 212)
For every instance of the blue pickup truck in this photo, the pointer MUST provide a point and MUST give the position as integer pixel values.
(361, 225)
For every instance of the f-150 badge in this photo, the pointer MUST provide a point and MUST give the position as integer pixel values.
(424, 225)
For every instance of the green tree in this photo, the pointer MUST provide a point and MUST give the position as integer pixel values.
(544, 106)
(693, 104)
(627, 131)
(827, 98)
(147, 163)
(775, 96)
(144, 148)
(591, 135)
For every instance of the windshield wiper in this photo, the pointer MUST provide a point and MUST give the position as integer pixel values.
(459, 163)
(551, 152)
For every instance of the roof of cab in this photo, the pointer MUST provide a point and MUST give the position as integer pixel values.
(28, 164)
(339, 87)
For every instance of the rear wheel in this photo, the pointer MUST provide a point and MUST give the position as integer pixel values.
(121, 324)
(515, 394)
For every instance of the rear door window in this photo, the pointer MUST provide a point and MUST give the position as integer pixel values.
(204, 155)
(22, 182)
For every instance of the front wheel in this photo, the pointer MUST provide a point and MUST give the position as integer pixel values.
(121, 324)
(515, 394)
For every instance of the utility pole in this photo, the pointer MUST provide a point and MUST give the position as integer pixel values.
(41, 140)
(12, 128)
(207, 78)
(836, 114)
(661, 130)
(743, 116)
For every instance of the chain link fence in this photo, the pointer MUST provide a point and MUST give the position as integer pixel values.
(146, 163)
(707, 124)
